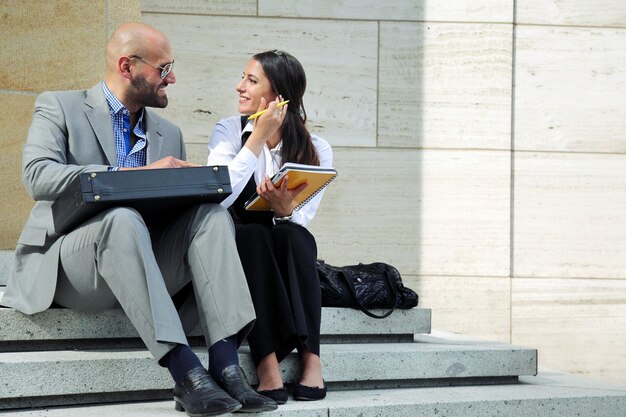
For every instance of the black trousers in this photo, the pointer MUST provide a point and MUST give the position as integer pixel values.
(279, 264)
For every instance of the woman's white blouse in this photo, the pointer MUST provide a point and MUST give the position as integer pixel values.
(225, 149)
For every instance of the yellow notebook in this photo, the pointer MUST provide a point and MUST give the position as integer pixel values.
(317, 178)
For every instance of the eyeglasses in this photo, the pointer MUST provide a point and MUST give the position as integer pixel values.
(165, 69)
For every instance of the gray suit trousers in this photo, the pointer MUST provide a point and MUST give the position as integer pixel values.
(114, 260)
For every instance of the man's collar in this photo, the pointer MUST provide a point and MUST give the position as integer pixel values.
(115, 105)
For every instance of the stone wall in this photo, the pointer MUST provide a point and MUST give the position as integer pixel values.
(46, 45)
(568, 292)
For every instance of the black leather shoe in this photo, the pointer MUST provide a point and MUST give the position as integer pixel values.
(280, 395)
(304, 393)
(235, 383)
(200, 396)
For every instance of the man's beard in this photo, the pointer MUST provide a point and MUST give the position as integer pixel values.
(145, 94)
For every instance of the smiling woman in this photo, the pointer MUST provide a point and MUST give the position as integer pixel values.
(277, 252)
(253, 87)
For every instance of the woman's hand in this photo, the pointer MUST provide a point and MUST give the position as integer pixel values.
(280, 199)
(267, 125)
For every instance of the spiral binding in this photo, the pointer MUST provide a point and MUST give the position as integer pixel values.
(309, 198)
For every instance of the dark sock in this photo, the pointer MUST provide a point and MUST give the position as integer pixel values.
(221, 355)
(179, 361)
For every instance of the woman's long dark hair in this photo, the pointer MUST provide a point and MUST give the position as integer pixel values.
(288, 79)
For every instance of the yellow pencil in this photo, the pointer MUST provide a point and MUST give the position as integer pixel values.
(255, 115)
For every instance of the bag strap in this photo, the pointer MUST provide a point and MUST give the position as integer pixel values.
(350, 283)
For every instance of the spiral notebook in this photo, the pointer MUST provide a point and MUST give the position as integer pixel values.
(317, 178)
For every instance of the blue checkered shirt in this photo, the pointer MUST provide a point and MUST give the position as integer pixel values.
(120, 116)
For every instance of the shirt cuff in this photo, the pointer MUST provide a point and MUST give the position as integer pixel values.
(298, 217)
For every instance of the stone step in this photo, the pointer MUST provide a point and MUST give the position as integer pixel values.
(54, 327)
(549, 394)
(80, 376)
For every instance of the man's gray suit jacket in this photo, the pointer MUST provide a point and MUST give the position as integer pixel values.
(71, 133)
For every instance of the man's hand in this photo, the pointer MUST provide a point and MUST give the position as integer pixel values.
(167, 162)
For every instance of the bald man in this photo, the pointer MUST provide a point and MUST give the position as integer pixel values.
(112, 259)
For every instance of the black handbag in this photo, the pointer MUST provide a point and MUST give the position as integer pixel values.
(365, 286)
(157, 194)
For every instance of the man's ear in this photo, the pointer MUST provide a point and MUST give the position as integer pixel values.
(123, 64)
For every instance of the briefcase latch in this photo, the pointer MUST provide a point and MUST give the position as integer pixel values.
(94, 175)
(219, 190)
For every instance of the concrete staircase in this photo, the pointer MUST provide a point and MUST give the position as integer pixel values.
(68, 363)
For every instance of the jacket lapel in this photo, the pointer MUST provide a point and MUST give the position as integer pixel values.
(99, 116)
(154, 137)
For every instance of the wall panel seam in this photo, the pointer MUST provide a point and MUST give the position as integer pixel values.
(566, 26)
(512, 172)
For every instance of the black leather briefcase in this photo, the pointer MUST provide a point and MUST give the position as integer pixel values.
(158, 194)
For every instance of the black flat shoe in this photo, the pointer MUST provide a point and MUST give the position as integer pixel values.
(304, 393)
(200, 396)
(280, 395)
(235, 383)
